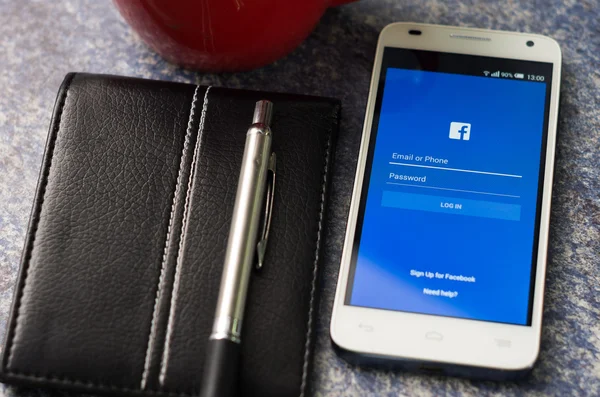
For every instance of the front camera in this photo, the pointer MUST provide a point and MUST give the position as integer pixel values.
(530, 43)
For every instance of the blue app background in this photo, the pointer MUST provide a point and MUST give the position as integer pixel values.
(488, 236)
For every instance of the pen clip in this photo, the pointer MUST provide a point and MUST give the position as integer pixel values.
(261, 246)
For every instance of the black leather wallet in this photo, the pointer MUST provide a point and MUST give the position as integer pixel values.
(123, 257)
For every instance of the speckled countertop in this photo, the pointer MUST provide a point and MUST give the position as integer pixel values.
(40, 41)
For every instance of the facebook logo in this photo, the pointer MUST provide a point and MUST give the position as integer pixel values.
(461, 131)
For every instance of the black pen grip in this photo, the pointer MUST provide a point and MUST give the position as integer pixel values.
(221, 369)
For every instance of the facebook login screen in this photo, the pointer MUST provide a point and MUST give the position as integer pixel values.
(450, 204)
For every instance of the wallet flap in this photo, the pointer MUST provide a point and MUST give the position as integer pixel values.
(84, 299)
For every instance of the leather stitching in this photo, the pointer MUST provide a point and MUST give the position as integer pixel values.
(153, 325)
(307, 345)
(184, 226)
(42, 193)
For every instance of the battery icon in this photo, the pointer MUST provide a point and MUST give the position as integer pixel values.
(519, 76)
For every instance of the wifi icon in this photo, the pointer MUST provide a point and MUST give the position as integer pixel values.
(486, 72)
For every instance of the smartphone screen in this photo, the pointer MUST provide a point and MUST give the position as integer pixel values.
(450, 206)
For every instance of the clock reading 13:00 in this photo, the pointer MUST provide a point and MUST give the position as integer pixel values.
(535, 77)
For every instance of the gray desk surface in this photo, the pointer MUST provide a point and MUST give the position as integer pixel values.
(40, 41)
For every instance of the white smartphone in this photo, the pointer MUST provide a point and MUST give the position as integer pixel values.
(444, 258)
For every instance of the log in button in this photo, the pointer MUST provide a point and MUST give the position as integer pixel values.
(451, 205)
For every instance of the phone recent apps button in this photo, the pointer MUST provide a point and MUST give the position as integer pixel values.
(434, 335)
(503, 343)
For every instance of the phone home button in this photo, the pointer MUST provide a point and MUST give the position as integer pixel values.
(433, 335)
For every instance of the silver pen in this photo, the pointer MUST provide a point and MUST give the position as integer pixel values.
(222, 360)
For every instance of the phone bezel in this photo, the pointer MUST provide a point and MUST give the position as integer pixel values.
(415, 336)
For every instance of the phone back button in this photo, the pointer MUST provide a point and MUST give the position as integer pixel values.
(365, 327)
(432, 335)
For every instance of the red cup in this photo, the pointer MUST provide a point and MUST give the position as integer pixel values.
(223, 35)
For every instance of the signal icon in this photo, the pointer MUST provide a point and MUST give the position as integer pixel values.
(496, 74)
(486, 72)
